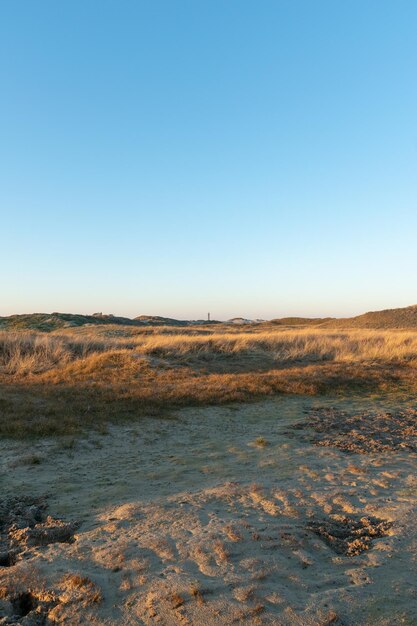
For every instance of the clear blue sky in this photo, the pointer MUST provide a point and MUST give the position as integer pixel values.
(253, 158)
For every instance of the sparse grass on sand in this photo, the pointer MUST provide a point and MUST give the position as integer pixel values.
(62, 382)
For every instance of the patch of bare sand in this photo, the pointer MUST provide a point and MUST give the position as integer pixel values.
(187, 522)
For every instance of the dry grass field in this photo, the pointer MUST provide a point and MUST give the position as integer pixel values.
(64, 381)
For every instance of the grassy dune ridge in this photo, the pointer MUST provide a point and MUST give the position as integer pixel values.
(66, 380)
(34, 352)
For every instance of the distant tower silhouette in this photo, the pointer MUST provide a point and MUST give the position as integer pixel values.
(208, 317)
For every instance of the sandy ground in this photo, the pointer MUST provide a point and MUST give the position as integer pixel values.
(216, 516)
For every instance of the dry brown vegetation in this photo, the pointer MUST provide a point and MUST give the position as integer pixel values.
(61, 382)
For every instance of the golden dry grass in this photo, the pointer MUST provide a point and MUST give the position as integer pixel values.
(63, 382)
(33, 352)
(289, 345)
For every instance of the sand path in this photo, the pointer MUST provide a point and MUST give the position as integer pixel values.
(205, 518)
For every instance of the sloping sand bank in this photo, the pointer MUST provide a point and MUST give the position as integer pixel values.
(218, 516)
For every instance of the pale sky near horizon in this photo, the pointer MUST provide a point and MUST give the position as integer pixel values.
(175, 157)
